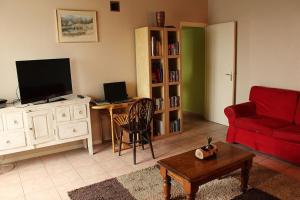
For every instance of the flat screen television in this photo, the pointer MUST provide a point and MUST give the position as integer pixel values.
(43, 79)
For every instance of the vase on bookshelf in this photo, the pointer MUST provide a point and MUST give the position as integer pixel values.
(160, 18)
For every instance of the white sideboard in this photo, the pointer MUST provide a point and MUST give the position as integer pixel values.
(26, 127)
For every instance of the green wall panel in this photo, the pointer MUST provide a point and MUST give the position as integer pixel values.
(193, 69)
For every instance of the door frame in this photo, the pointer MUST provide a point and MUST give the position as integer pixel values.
(192, 25)
(234, 72)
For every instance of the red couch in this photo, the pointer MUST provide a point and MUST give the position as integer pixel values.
(269, 122)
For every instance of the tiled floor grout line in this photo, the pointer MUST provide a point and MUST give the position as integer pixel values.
(44, 165)
(73, 167)
(21, 182)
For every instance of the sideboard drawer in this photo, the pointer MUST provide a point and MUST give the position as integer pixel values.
(14, 121)
(73, 130)
(80, 112)
(12, 140)
(63, 114)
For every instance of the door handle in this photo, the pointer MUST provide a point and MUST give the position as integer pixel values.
(230, 76)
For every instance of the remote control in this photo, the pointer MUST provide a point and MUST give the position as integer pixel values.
(80, 96)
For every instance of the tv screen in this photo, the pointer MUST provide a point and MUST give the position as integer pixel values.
(43, 79)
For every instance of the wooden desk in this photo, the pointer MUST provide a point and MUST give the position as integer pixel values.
(111, 107)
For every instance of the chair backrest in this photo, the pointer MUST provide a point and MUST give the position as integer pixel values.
(141, 114)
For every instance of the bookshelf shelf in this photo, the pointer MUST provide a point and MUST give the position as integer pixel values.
(159, 76)
(174, 108)
(174, 83)
(156, 57)
(173, 56)
(157, 84)
(158, 111)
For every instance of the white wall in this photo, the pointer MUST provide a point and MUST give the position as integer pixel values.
(28, 31)
(268, 41)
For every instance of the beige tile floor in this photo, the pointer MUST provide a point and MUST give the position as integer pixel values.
(50, 177)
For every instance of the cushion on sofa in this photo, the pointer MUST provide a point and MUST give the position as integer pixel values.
(290, 133)
(260, 124)
(275, 103)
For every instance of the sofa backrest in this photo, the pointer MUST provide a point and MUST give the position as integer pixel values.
(275, 103)
(297, 116)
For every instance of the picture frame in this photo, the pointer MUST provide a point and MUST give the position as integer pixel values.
(76, 26)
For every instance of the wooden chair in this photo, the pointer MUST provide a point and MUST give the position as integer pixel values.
(137, 124)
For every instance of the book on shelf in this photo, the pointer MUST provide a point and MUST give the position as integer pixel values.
(174, 101)
(158, 127)
(158, 103)
(156, 46)
(157, 72)
(175, 126)
(173, 49)
(174, 76)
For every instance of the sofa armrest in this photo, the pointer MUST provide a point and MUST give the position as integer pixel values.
(239, 110)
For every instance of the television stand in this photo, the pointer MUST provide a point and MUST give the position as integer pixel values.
(55, 100)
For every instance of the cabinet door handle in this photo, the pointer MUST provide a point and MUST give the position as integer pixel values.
(80, 112)
(15, 122)
(63, 115)
(74, 130)
(7, 142)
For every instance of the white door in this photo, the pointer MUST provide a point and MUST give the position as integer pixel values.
(220, 70)
(40, 124)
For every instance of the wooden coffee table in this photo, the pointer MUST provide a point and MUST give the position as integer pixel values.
(191, 172)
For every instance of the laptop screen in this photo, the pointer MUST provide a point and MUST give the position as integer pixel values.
(115, 91)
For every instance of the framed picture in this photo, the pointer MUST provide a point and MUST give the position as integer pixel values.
(77, 26)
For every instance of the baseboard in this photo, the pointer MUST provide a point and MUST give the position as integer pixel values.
(43, 151)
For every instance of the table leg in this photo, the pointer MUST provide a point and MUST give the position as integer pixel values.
(166, 183)
(245, 175)
(190, 190)
(112, 130)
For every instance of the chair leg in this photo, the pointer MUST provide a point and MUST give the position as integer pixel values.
(142, 141)
(120, 142)
(134, 147)
(150, 143)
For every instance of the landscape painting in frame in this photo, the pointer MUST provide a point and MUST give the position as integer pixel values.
(77, 26)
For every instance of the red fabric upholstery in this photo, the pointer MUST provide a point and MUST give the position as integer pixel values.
(297, 116)
(290, 133)
(239, 110)
(273, 102)
(260, 124)
(269, 123)
(283, 149)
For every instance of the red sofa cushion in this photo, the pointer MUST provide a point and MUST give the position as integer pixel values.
(260, 124)
(297, 116)
(290, 133)
(274, 103)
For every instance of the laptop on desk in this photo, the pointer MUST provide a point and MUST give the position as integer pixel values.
(116, 92)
